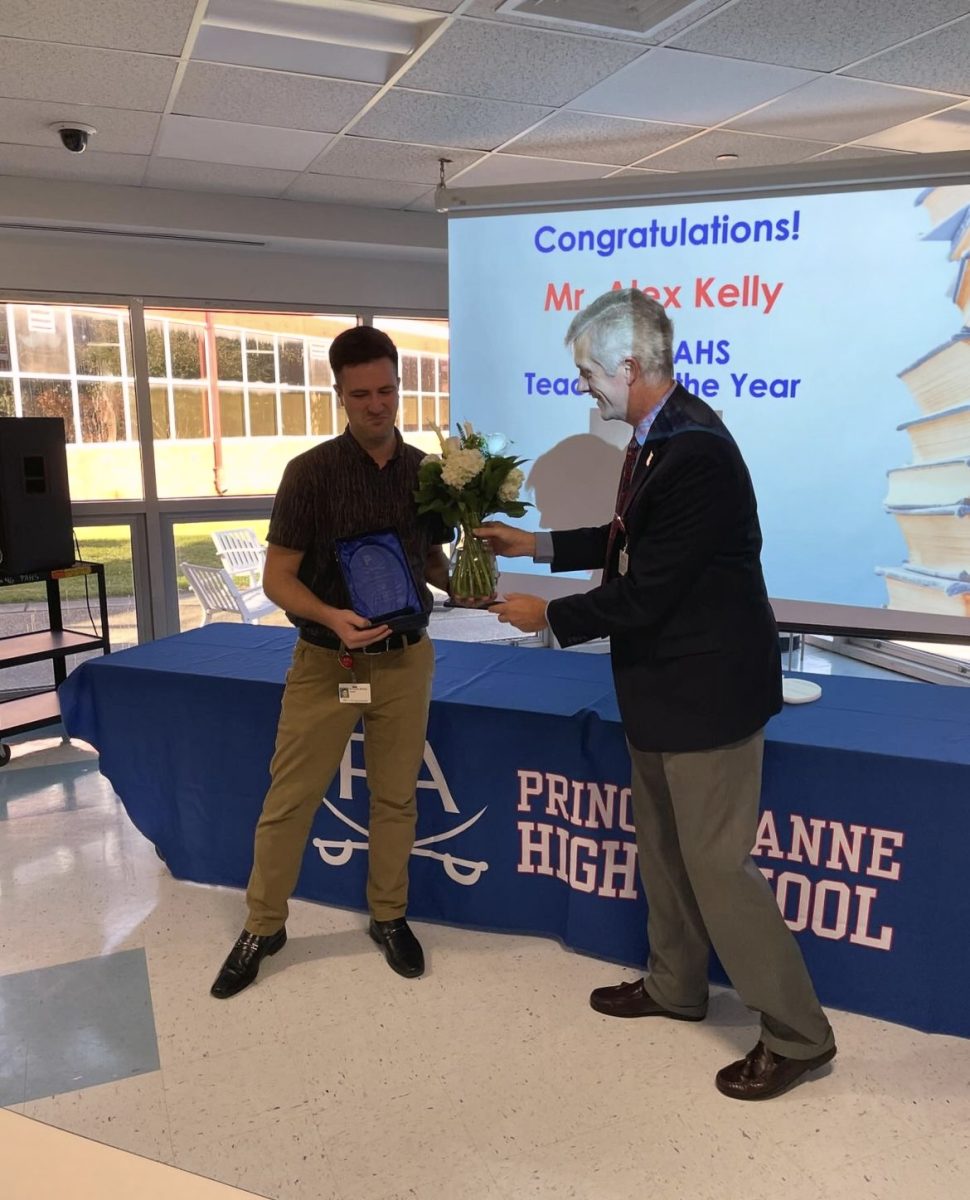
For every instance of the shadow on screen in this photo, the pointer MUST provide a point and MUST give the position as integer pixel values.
(574, 483)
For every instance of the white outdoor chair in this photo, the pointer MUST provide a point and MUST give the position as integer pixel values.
(241, 553)
(216, 592)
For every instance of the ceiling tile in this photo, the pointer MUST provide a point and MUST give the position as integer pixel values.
(637, 171)
(189, 176)
(752, 151)
(853, 152)
(28, 122)
(821, 35)
(91, 167)
(688, 89)
(837, 109)
(144, 25)
(585, 137)
(405, 116)
(489, 9)
(481, 58)
(441, 6)
(931, 135)
(370, 193)
(269, 97)
(516, 168)
(200, 140)
(82, 75)
(939, 60)
(369, 158)
(679, 24)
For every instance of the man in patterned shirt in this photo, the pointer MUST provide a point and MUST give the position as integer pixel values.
(362, 481)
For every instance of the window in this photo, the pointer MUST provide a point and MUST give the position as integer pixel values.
(186, 351)
(157, 359)
(191, 413)
(102, 410)
(322, 421)
(111, 545)
(273, 396)
(194, 544)
(161, 420)
(41, 333)
(232, 414)
(320, 373)
(423, 355)
(291, 363)
(229, 357)
(74, 362)
(260, 360)
(262, 414)
(97, 345)
(5, 363)
(48, 398)
(293, 407)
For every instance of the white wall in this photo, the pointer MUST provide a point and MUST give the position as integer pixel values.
(310, 254)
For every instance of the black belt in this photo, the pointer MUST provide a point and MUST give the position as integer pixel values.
(395, 641)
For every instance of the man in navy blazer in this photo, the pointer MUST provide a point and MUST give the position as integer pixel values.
(697, 670)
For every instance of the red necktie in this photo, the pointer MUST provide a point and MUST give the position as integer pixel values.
(626, 477)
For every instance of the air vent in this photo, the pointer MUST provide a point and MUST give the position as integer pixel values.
(92, 231)
(625, 16)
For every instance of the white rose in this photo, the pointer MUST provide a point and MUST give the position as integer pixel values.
(461, 467)
(430, 458)
(511, 485)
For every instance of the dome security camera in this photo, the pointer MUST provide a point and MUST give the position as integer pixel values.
(74, 136)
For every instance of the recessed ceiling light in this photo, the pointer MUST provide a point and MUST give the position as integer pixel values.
(727, 158)
(630, 16)
(339, 39)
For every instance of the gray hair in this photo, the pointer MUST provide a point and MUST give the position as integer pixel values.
(626, 324)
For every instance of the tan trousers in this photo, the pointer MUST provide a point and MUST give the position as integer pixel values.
(696, 816)
(313, 733)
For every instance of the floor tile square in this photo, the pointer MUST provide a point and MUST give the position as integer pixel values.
(75, 1025)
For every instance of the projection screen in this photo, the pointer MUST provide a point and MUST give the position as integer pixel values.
(827, 327)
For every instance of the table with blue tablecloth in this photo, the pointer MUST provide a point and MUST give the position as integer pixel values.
(524, 815)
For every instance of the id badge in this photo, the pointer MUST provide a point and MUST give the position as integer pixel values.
(624, 562)
(353, 693)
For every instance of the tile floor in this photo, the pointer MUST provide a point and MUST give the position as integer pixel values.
(76, 1025)
(333, 1079)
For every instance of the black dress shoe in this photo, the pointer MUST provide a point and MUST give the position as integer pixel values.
(401, 948)
(762, 1074)
(631, 1000)
(242, 966)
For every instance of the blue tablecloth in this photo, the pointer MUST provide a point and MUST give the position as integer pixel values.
(524, 805)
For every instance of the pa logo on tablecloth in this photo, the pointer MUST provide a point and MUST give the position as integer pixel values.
(337, 853)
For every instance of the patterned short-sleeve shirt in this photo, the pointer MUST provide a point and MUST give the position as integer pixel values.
(336, 490)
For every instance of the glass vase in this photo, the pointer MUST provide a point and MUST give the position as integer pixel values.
(474, 574)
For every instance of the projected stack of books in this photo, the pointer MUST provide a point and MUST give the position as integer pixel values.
(930, 499)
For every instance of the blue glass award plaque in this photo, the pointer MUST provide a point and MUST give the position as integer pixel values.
(379, 580)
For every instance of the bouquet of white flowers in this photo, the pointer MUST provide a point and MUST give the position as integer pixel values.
(468, 481)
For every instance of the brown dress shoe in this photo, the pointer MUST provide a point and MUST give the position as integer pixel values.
(762, 1074)
(631, 1000)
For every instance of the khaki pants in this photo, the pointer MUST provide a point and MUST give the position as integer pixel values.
(313, 733)
(696, 816)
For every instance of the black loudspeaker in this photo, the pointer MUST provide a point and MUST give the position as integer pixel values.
(36, 530)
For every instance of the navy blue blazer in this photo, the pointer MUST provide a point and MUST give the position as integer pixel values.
(693, 639)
